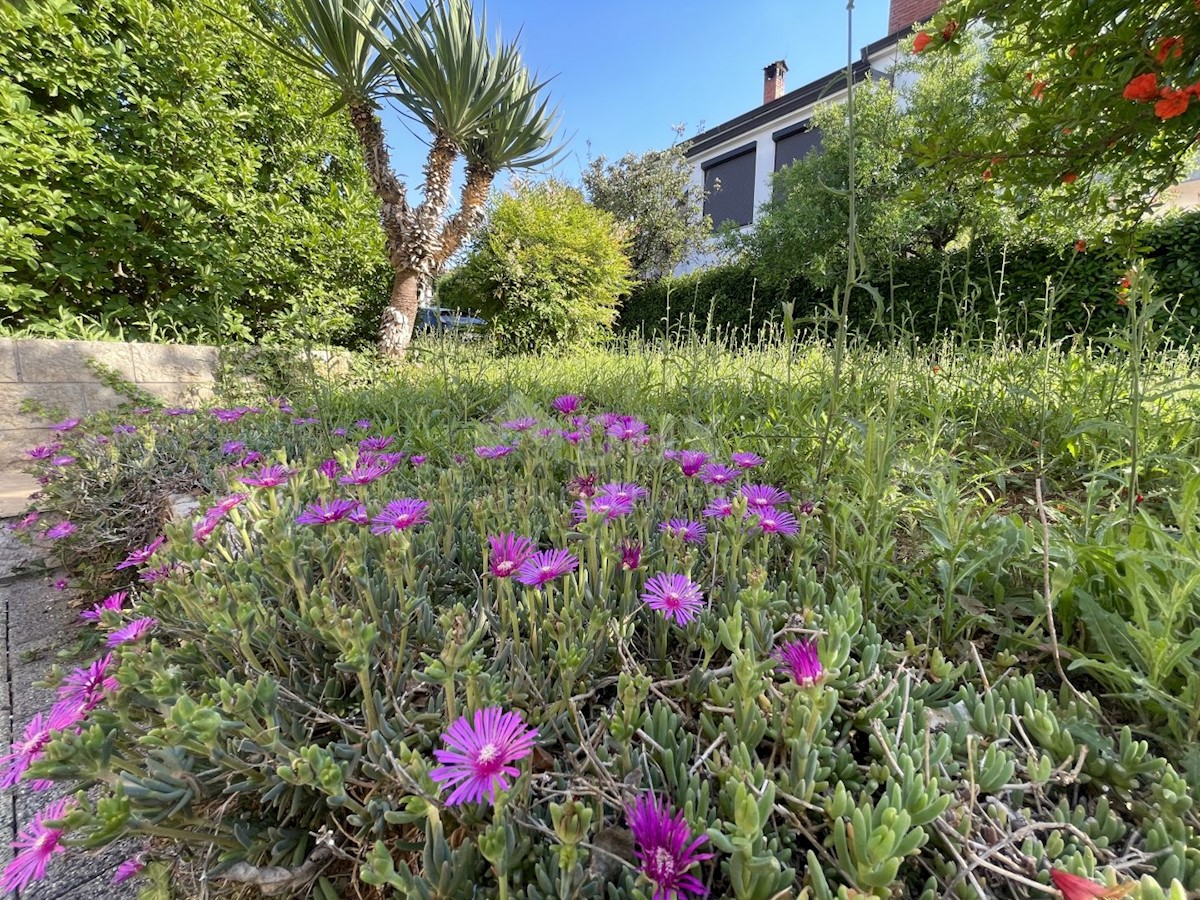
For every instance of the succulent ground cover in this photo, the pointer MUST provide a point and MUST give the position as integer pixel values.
(639, 623)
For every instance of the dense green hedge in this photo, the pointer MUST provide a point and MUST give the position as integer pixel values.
(974, 291)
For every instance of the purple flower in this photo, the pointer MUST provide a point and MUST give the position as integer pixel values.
(624, 490)
(158, 573)
(86, 686)
(675, 596)
(37, 844)
(631, 554)
(124, 429)
(691, 461)
(417, 460)
(522, 424)
(575, 437)
(364, 473)
(509, 552)
(305, 420)
(715, 473)
(566, 404)
(612, 507)
(389, 461)
(583, 486)
(43, 452)
(493, 452)
(320, 513)
(65, 425)
(144, 410)
(400, 515)
(230, 415)
(775, 521)
(62, 461)
(747, 460)
(760, 496)
(626, 428)
(225, 504)
(61, 530)
(60, 584)
(358, 515)
(38, 733)
(338, 432)
(229, 448)
(25, 522)
(372, 444)
(111, 603)
(141, 556)
(179, 411)
(689, 530)
(253, 458)
(134, 631)
(330, 468)
(665, 849)
(478, 759)
(801, 659)
(128, 869)
(546, 566)
(363, 424)
(718, 508)
(268, 476)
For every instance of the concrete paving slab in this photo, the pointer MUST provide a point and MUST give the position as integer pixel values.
(15, 488)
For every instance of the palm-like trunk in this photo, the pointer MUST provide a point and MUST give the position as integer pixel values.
(418, 245)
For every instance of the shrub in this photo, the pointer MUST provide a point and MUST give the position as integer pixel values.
(287, 692)
(548, 269)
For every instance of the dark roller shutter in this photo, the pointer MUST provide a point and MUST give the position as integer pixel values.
(795, 144)
(729, 184)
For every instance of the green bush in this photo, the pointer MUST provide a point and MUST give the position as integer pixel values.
(548, 270)
(161, 180)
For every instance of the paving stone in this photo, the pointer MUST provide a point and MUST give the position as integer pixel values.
(16, 558)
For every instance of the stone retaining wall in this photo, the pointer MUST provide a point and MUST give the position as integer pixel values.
(56, 374)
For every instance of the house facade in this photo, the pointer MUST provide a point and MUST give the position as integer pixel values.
(734, 161)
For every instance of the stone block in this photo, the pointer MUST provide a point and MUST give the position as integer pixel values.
(41, 361)
(180, 394)
(97, 397)
(15, 441)
(8, 360)
(166, 363)
(64, 398)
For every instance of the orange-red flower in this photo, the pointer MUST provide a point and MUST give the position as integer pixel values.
(987, 174)
(1169, 46)
(1143, 88)
(921, 42)
(1039, 88)
(1173, 103)
(1080, 246)
(1073, 887)
(1070, 178)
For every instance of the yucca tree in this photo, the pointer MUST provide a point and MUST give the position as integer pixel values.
(477, 100)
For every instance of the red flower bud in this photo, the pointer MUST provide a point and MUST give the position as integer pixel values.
(1169, 46)
(949, 30)
(1080, 246)
(1070, 178)
(923, 40)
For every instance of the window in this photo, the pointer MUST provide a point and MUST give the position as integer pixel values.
(795, 142)
(729, 185)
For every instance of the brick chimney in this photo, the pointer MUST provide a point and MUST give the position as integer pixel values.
(905, 13)
(773, 81)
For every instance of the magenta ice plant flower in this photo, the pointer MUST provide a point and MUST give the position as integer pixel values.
(417, 460)
(158, 573)
(128, 869)
(801, 660)
(268, 476)
(677, 597)
(665, 849)
(364, 473)
(60, 461)
(60, 530)
(321, 513)
(305, 420)
(124, 429)
(546, 567)
(582, 486)
(375, 444)
(522, 424)
(510, 551)
(142, 555)
(493, 452)
(760, 496)
(363, 424)
(35, 846)
(611, 507)
(37, 735)
(359, 515)
(45, 451)
(478, 757)
(86, 686)
(566, 404)
(24, 523)
(400, 515)
(65, 425)
(775, 521)
(691, 461)
(330, 468)
(111, 603)
(574, 437)
(631, 554)
(717, 474)
(689, 530)
(134, 631)
(747, 460)
(253, 458)
(626, 428)
(230, 448)
(175, 411)
(624, 490)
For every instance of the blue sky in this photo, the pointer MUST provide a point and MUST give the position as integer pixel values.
(626, 71)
